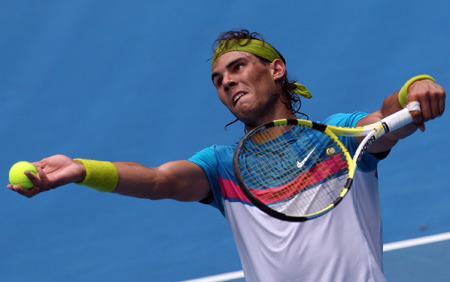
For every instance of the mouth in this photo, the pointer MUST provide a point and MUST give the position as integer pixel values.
(238, 96)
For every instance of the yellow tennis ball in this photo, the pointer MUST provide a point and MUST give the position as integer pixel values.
(17, 176)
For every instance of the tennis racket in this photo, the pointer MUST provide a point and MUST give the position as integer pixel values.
(297, 170)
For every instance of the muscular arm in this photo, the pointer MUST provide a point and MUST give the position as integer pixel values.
(178, 180)
(431, 97)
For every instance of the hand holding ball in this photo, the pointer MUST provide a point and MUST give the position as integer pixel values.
(17, 175)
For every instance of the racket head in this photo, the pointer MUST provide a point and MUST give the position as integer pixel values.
(293, 169)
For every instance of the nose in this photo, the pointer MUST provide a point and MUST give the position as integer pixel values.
(228, 82)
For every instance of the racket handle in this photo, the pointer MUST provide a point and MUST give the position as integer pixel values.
(400, 118)
(413, 106)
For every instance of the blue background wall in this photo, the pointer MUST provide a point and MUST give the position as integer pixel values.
(130, 80)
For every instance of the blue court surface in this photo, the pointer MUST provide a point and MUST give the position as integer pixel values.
(130, 81)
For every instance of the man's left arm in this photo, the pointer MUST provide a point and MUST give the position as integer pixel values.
(431, 97)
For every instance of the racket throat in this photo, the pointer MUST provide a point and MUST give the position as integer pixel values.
(368, 141)
(385, 127)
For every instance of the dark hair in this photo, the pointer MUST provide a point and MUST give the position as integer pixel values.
(292, 100)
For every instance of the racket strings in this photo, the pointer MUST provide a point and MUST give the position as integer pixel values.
(294, 170)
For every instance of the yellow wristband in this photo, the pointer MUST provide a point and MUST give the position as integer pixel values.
(100, 175)
(404, 90)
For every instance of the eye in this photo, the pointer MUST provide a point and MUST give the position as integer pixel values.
(217, 81)
(238, 66)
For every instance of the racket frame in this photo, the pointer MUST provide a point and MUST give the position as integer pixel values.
(294, 122)
(371, 132)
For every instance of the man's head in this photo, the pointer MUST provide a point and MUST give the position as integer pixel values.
(254, 44)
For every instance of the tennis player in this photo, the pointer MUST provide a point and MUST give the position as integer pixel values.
(251, 80)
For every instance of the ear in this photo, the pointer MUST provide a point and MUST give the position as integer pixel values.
(278, 69)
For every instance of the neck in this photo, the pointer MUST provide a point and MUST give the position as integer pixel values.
(280, 114)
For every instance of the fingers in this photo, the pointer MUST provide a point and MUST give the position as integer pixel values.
(433, 103)
(439, 108)
(431, 97)
(35, 179)
(25, 192)
(418, 119)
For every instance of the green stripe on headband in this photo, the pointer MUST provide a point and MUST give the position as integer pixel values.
(259, 48)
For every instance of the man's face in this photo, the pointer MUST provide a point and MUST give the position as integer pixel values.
(245, 86)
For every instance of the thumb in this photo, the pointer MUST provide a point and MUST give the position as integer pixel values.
(416, 115)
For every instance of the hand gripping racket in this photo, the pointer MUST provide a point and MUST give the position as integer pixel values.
(297, 170)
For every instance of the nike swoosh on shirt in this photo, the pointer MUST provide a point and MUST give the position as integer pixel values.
(302, 163)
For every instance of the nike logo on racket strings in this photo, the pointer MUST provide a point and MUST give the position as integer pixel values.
(302, 163)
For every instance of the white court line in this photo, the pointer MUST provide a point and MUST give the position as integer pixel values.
(416, 242)
(387, 247)
(220, 278)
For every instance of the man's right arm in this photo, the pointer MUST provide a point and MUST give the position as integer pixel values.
(178, 180)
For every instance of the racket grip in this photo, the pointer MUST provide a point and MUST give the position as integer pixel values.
(400, 118)
(413, 106)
